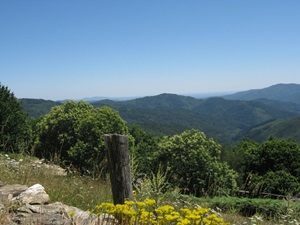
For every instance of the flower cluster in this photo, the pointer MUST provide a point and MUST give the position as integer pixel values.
(146, 212)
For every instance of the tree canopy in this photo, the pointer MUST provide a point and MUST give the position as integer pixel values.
(74, 134)
(269, 167)
(194, 162)
(14, 128)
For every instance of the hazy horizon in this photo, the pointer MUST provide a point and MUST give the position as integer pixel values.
(121, 98)
(124, 98)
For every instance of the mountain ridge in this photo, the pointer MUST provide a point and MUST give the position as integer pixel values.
(217, 117)
(227, 120)
(280, 92)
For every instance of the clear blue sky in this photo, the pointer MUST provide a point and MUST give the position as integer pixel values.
(59, 49)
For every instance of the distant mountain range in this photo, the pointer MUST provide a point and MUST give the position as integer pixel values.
(279, 92)
(255, 114)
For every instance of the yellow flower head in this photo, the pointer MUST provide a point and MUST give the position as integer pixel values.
(134, 193)
(150, 202)
(130, 203)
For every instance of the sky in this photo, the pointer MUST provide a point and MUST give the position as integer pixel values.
(71, 49)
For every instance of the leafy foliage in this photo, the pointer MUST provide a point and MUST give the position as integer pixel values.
(73, 133)
(194, 161)
(269, 167)
(269, 208)
(144, 150)
(14, 128)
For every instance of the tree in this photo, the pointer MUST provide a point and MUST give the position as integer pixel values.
(278, 154)
(194, 161)
(74, 134)
(279, 182)
(241, 159)
(144, 150)
(271, 166)
(14, 129)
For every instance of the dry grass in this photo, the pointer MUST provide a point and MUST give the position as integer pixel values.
(82, 192)
(85, 192)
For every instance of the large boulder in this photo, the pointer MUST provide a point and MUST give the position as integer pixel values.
(33, 195)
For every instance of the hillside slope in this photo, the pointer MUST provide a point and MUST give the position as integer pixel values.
(288, 128)
(217, 117)
(279, 92)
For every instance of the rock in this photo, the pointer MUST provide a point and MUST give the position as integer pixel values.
(56, 170)
(42, 214)
(106, 219)
(82, 217)
(9, 191)
(31, 206)
(50, 168)
(34, 195)
(2, 207)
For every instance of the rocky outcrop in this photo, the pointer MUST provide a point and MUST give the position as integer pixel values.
(20, 204)
(35, 164)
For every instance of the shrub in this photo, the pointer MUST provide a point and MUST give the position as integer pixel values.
(73, 133)
(269, 167)
(269, 208)
(194, 161)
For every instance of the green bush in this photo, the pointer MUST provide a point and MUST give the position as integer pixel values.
(73, 133)
(269, 167)
(194, 163)
(269, 208)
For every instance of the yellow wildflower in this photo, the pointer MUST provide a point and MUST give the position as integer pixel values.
(183, 221)
(145, 212)
(141, 204)
(164, 209)
(130, 203)
(202, 211)
(134, 193)
(150, 202)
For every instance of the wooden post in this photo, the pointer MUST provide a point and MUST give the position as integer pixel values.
(119, 167)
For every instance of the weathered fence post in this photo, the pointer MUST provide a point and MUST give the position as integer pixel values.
(119, 167)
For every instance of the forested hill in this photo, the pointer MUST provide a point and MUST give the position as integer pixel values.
(162, 101)
(225, 120)
(219, 118)
(37, 107)
(279, 92)
(288, 128)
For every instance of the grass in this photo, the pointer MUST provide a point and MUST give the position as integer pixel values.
(86, 193)
(79, 191)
